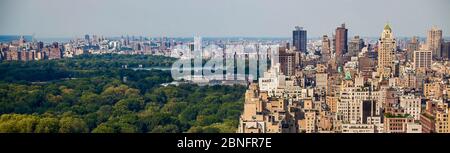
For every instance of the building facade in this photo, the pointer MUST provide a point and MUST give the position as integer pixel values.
(434, 41)
(341, 40)
(386, 52)
(299, 37)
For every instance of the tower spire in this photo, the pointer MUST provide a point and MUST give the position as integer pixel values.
(387, 27)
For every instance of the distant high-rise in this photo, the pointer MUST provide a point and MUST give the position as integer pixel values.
(355, 46)
(386, 52)
(326, 47)
(299, 39)
(289, 60)
(412, 46)
(86, 38)
(434, 41)
(446, 50)
(197, 43)
(422, 59)
(341, 41)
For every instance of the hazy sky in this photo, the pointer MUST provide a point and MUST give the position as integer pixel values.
(218, 18)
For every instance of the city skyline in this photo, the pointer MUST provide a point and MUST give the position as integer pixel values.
(220, 18)
(340, 83)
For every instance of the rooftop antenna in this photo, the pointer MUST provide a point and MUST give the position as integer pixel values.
(298, 28)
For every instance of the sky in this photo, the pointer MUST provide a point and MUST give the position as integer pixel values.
(220, 18)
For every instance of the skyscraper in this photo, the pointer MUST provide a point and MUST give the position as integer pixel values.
(341, 40)
(355, 46)
(434, 41)
(412, 46)
(299, 39)
(386, 52)
(326, 48)
(86, 38)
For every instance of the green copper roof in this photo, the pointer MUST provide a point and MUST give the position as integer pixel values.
(387, 27)
(348, 76)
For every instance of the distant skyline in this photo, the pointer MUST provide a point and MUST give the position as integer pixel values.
(220, 18)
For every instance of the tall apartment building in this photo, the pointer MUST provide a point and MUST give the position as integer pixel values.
(326, 45)
(386, 52)
(355, 46)
(412, 46)
(321, 81)
(350, 108)
(341, 39)
(411, 105)
(434, 41)
(289, 60)
(422, 59)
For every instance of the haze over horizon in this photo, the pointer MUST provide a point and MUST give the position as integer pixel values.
(214, 18)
